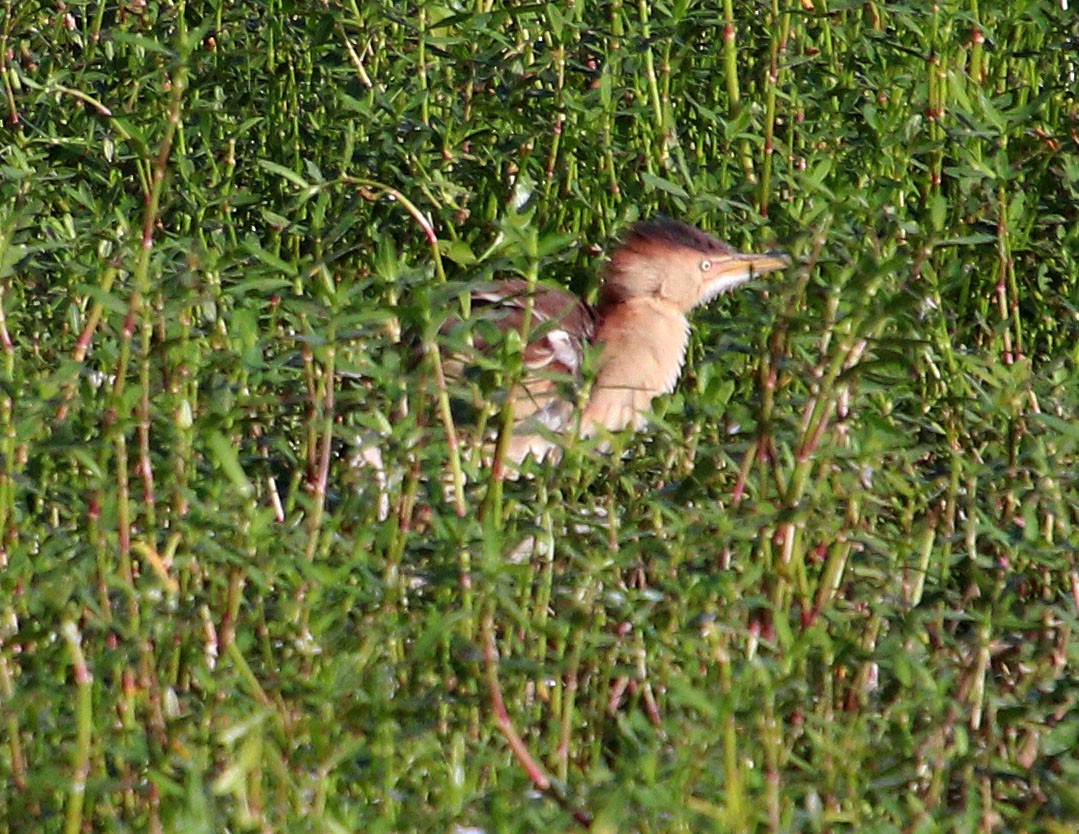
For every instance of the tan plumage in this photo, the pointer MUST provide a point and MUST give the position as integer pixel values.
(657, 274)
(560, 330)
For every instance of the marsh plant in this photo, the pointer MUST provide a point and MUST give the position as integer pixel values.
(833, 587)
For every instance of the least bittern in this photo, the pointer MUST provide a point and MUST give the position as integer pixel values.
(659, 272)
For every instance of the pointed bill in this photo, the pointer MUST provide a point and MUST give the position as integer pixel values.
(730, 271)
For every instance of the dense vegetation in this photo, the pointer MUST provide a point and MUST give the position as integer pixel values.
(836, 586)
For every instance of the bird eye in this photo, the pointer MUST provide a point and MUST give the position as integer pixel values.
(706, 265)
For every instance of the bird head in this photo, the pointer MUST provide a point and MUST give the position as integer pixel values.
(671, 262)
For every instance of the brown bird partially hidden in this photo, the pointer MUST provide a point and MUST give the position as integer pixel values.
(657, 274)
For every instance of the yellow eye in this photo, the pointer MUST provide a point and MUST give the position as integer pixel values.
(705, 266)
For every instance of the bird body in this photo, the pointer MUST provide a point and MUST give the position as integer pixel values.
(659, 272)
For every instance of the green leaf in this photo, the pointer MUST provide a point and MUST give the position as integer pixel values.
(224, 453)
(141, 42)
(938, 211)
(253, 248)
(286, 173)
(661, 184)
(977, 239)
(457, 251)
(10, 256)
(1067, 428)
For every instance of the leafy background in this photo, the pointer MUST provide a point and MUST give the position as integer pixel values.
(834, 588)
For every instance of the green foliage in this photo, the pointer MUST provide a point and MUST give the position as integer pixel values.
(834, 589)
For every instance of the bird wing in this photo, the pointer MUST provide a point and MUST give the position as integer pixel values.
(559, 330)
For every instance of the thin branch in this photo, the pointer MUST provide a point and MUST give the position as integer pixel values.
(534, 770)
